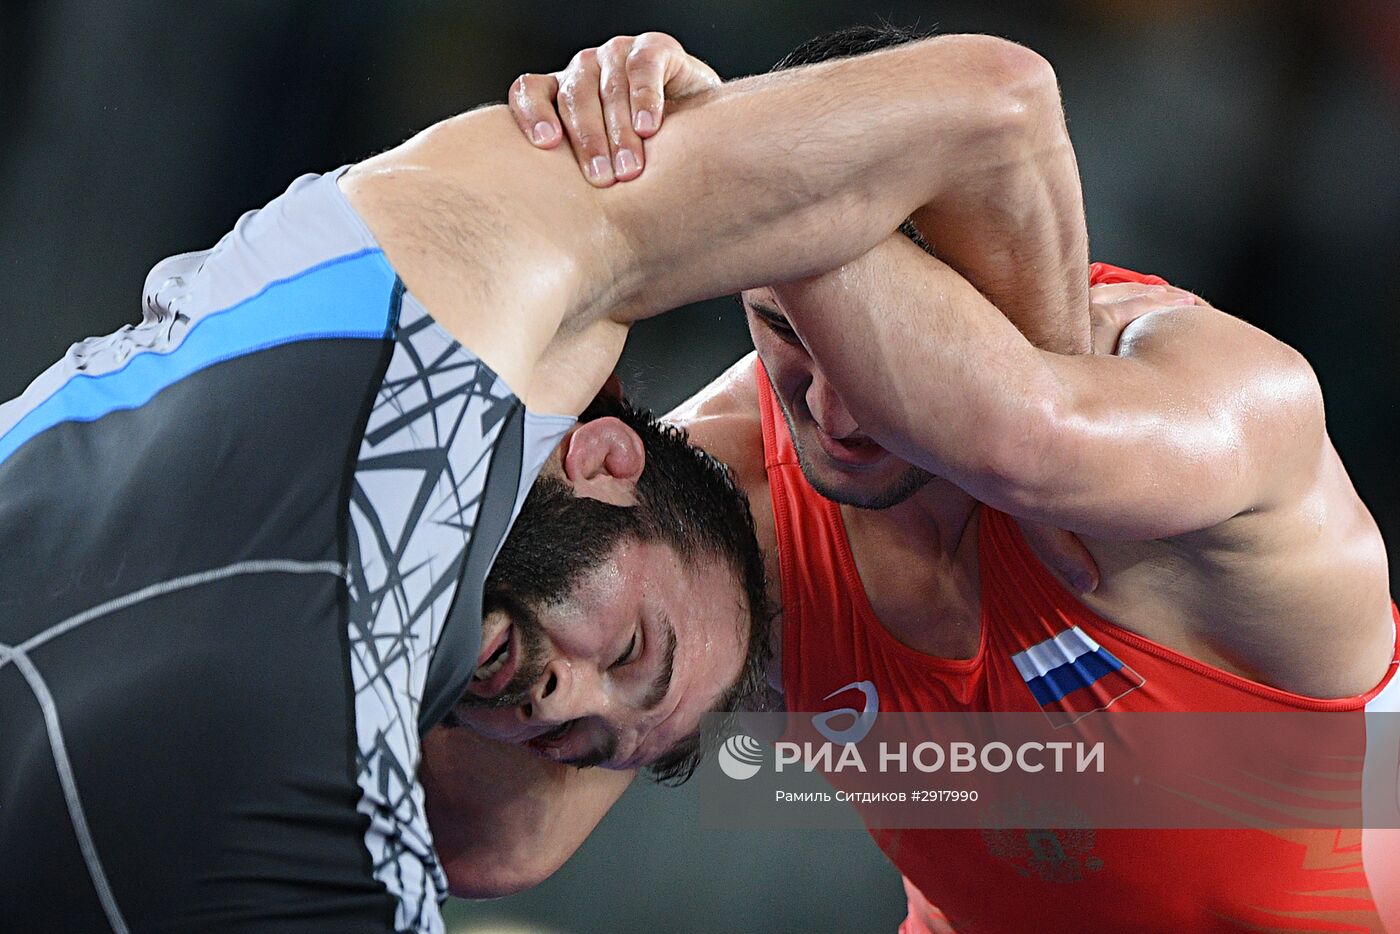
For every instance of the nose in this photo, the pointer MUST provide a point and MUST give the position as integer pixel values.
(828, 410)
(564, 691)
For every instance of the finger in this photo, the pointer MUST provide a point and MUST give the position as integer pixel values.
(532, 105)
(1064, 554)
(1123, 291)
(647, 62)
(1145, 291)
(1164, 296)
(692, 77)
(1187, 297)
(1104, 332)
(582, 114)
(625, 144)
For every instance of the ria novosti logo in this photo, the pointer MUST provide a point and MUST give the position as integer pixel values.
(741, 756)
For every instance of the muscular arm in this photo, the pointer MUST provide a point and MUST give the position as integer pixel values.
(764, 179)
(1198, 418)
(511, 251)
(504, 819)
(1016, 230)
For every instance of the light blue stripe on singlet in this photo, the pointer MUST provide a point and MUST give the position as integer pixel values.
(345, 297)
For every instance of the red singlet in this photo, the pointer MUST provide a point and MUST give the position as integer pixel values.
(1044, 881)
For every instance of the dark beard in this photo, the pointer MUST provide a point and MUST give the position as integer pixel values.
(686, 500)
(557, 539)
(530, 665)
(910, 482)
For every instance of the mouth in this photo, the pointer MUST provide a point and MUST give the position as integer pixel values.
(496, 665)
(855, 451)
(548, 743)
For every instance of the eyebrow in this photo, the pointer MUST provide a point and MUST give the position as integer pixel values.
(662, 685)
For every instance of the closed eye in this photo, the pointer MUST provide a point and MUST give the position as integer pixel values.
(631, 653)
(775, 322)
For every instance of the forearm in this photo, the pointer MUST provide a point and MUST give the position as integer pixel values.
(790, 174)
(764, 179)
(767, 179)
(926, 365)
(1181, 426)
(1015, 227)
(503, 819)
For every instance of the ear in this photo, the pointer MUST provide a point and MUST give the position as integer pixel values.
(602, 460)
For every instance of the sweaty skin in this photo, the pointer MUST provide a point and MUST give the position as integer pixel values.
(497, 837)
(1189, 450)
(1194, 463)
(564, 267)
(1194, 460)
(540, 274)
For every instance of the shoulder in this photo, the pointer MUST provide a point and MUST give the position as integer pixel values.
(733, 392)
(724, 419)
(1251, 375)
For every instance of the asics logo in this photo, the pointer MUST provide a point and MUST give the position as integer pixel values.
(861, 720)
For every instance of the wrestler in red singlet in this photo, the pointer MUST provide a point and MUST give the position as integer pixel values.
(1044, 881)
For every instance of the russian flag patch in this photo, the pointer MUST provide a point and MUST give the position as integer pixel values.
(1071, 676)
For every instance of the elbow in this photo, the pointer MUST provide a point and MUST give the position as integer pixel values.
(1018, 85)
(1305, 390)
(1028, 76)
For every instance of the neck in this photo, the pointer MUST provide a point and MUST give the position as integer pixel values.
(918, 566)
(938, 518)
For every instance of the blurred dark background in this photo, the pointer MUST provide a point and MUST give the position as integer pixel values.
(1249, 151)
